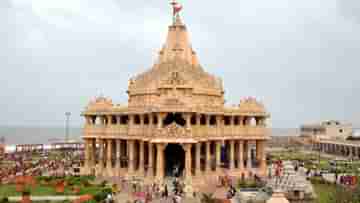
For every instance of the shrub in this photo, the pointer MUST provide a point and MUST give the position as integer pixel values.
(4, 200)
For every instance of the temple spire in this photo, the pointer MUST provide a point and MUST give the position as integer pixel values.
(177, 45)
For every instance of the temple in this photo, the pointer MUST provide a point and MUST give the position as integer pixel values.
(175, 123)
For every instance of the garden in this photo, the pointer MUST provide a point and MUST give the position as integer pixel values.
(56, 186)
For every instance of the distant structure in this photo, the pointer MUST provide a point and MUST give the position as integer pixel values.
(331, 137)
(175, 123)
(2, 148)
(327, 130)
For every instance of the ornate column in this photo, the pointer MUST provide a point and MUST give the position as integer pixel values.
(150, 170)
(87, 156)
(101, 156)
(187, 118)
(262, 157)
(109, 119)
(131, 120)
(141, 158)
(159, 162)
(160, 120)
(248, 154)
(241, 155)
(188, 161)
(232, 153)
(93, 153)
(208, 157)
(198, 163)
(131, 162)
(118, 155)
(218, 155)
(118, 120)
(109, 159)
(258, 151)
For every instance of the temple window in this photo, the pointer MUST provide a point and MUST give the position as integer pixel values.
(193, 120)
(236, 120)
(93, 120)
(202, 120)
(137, 120)
(124, 120)
(155, 120)
(146, 120)
(226, 120)
(212, 120)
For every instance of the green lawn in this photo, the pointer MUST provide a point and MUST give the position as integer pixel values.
(324, 192)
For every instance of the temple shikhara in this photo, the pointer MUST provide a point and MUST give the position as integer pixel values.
(175, 123)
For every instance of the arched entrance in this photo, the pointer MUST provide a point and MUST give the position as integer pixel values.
(174, 160)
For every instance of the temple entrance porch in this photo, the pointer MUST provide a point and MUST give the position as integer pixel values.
(174, 160)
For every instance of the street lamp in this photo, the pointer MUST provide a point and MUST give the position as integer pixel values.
(67, 114)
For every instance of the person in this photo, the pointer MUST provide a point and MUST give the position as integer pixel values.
(108, 198)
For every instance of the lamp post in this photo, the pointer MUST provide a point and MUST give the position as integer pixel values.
(67, 114)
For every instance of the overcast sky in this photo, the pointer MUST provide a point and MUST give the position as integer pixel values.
(300, 58)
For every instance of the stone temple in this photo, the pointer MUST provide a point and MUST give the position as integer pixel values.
(175, 123)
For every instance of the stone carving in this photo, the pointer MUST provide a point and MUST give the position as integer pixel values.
(174, 131)
(175, 79)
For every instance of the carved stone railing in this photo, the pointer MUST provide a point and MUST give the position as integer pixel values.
(174, 130)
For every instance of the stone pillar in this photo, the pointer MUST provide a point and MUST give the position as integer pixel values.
(232, 153)
(109, 120)
(248, 155)
(131, 161)
(150, 171)
(350, 151)
(87, 155)
(258, 151)
(262, 157)
(188, 161)
(160, 120)
(141, 157)
(118, 120)
(101, 156)
(198, 163)
(218, 155)
(93, 153)
(187, 118)
(108, 157)
(208, 156)
(241, 155)
(159, 161)
(118, 155)
(131, 120)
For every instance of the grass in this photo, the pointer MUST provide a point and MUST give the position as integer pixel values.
(49, 190)
(324, 192)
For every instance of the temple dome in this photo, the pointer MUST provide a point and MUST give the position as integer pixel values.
(100, 103)
(251, 105)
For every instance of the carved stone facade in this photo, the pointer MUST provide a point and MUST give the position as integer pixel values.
(175, 103)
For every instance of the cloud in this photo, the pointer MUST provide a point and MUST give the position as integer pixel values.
(350, 9)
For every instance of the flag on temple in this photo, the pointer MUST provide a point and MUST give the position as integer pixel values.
(177, 8)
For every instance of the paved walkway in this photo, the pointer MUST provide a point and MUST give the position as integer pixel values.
(44, 198)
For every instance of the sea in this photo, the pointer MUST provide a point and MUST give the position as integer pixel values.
(45, 135)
